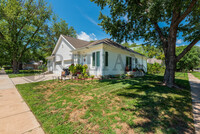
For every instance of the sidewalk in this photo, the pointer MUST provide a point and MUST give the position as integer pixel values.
(195, 92)
(15, 115)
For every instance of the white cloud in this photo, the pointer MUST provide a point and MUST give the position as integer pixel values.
(179, 41)
(86, 37)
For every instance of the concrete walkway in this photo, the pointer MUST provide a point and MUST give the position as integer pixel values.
(15, 115)
(34, 78)
(195, 92)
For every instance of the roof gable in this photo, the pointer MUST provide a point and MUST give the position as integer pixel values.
(59, 42)
(77, 43)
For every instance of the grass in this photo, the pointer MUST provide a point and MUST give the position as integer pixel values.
(139, 105)
(196, 74)
(23, 73)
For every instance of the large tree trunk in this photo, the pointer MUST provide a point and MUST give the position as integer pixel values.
(170, 58)
(169, 77)
(15, 66)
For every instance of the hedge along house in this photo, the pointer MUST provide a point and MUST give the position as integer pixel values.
(103, 57)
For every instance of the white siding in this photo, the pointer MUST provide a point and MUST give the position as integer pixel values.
(117, 61)
(94, 70)
(63, 56)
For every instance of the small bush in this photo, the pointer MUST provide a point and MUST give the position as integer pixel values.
(92, 76)
(85, 75)
(80, 77)
(155, 68)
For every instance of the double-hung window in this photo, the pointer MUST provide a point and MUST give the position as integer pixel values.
(106, 58)
(96, 59)
(93, 59)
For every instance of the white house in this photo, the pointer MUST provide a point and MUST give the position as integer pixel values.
(103, 57)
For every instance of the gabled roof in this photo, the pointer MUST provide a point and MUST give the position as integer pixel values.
(77, 43)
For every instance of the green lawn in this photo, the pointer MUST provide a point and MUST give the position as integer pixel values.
(139, 105)
(196, 74)
(23, 73)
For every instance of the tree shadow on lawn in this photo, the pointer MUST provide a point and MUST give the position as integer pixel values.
(164, 109)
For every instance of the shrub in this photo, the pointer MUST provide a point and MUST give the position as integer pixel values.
(85, 75)
(79, 68)
(72, 69)
(92, 76)
(123, 76)
(80, 77)
(155, 68)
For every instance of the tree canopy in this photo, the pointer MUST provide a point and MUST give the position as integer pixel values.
(56, 27)
(126, 44)
(21, 26)
(28, 31)
(190, 60)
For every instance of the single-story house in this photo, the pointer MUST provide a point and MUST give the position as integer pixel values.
(31, 65)
(103, 57)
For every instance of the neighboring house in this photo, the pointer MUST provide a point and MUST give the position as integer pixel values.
(154, 60)
(103, 57)
(31, 65)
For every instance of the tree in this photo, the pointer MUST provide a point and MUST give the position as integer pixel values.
(189, 60)
(158, 21)
(126, 44)
(150, 51)
(53, 32)
(21, 26)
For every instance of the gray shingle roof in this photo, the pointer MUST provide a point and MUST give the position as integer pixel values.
(77, 43)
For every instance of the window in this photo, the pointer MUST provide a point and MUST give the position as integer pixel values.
(93, 59)
(136, 60)
(106, 58)
(98, 58)
(129, 63)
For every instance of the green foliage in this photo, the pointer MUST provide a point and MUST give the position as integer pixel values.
(155, 68)
(21, 27)
(126, 44)
(85, 67)
(92, 76)
(23, 73)
(196, 74)
(57, 27)
(85, 75)
(72, 69)
(78, 68)
(80, 76)
(133, 20)
(190, 60)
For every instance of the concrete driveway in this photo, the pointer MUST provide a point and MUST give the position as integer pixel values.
(34, 78)
(15, 115)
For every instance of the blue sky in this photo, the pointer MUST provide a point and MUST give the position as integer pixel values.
(83, 16)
